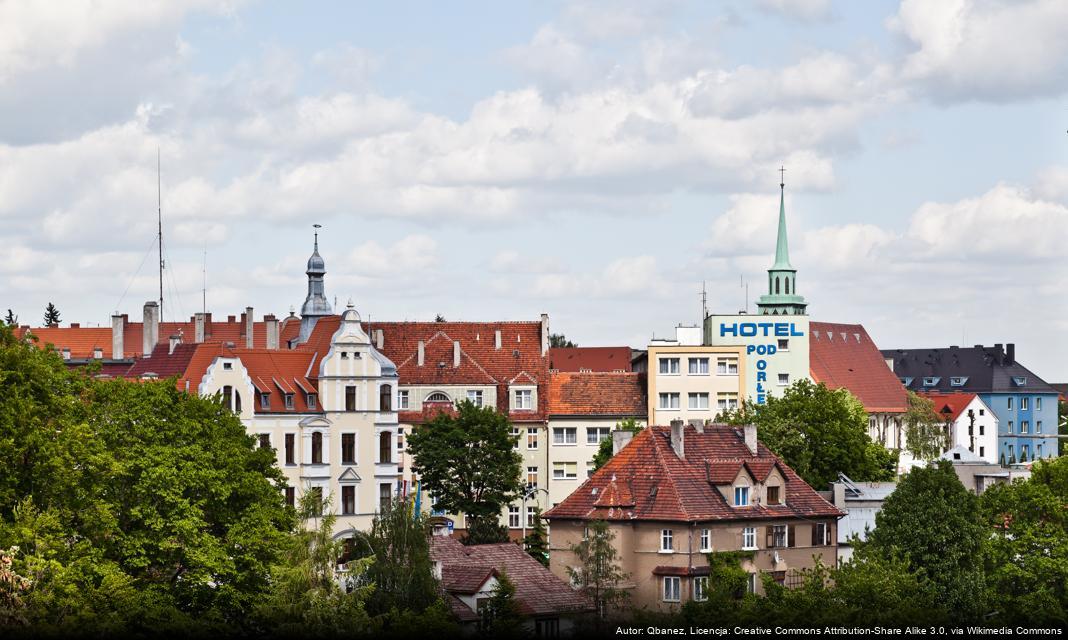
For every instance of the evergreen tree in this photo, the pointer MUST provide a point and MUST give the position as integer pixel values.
(537, 541)
(11, 319)
(559, 340)
(501, 616)
(598, 573)
(51, 315)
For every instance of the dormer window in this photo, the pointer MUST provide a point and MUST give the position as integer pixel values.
(312, 402)
(265, 401)
(906, 381)
(1019, 381)
(958, 381)
(930, 382)
(289, 401)
(773, 495)
(741, 496)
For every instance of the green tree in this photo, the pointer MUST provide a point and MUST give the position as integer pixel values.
(1027, 555)
(502, 617)
(439, 318)
(926, 432)
(819, 433)
(727, 597)
(11, 319)
(876, 589)
(402, 571)
(51, 315)
(1062, 427)
(559, 340)
(606, 448)
(13, 588)
(934, 523)
(598, 574)
(537, 541)
(468, 462)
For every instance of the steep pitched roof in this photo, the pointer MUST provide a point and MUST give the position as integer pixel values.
(984, 370)
(844, 356)
(603, 394)
(665, 487)
(537, 590)
(595, 359)
(950, 405)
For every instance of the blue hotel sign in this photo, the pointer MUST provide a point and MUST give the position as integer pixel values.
(762, 351)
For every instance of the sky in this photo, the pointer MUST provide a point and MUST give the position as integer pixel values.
(596, 161)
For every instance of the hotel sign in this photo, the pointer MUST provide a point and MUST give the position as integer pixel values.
(762, 351)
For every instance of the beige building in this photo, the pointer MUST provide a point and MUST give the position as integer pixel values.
(692, 382)
(675, 494)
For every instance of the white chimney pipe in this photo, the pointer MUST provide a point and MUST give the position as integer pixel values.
(150, 328)
(422, 353)
(249, 327)
(118, 336)
(455, 354)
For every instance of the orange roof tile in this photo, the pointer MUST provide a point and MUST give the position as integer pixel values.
(604, 394)
(844, 356)
(590, 359)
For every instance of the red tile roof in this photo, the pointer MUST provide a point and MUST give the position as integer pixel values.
(950, 405)
(602, 394)
(844, 356)
(646, 480)
(537, 590)
(592, 359)
(465, 578)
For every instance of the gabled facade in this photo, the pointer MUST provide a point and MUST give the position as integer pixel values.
(970, 422)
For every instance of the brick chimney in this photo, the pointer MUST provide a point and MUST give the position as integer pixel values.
(249, 327)
(678, 437)
(1010, 353)
(118, 335)
(150, 328)
(271, 324)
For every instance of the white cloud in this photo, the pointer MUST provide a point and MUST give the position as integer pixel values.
(807, 10)
(405, 258)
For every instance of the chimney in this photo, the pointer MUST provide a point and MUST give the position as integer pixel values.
(199, 327)
(497, 339)
(620, 439)
(544, 333)
(1010, 353)
(750, 437)
(271, 324)
(422, 353)
(174, 342)
(678, 430)
(75, 325)
(455, 354)
(380, 339)
(249, 327)
(118, 333)
(150, 328)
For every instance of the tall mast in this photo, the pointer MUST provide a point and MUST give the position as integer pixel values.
(159, 220)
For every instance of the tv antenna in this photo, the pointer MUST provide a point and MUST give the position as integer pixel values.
(159, 220)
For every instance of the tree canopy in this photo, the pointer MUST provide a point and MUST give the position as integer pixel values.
(926, 433)
(607, 446)
(559, 340)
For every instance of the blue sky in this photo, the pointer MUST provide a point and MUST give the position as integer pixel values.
(593, 160)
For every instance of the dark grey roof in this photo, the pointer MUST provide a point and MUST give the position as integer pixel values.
(986, 369)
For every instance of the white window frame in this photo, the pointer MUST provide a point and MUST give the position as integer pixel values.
(694, 398)
(726, 401)
(563, 467)
(563, 441)
(667, 541)
(706, 540)
(700, 588)
(599, 434)
(669, 396)
(783, 344)
(1009, 403)
(672, 593)
(1024, 403)
(751, 583)
(741, 492)
(532, 469)
(532, 431)
(1038, 426)
(475, 396)
(749, 539)
(523, 399)
(725, 365)
(783, 382)
(531, 511)
(516, 433)
(1025, 426)
(693, 370)
(402, 399)
(1038, 403)
(667, 364)
(513, 516)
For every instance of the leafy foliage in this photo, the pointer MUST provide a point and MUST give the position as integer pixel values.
(926, 432)
(605, 449)
(502, 617)
(818, 432)
(598, 573)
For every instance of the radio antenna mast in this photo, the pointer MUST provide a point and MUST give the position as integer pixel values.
(204, 274)
(704, 303)
(159, 220)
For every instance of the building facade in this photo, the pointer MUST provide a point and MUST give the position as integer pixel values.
(970, 423)
(693, 383)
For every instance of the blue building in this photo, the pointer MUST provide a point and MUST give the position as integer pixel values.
(1025, 405)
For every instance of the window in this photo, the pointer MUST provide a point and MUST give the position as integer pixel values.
(751, 583)
(982, 411)
(778, 536)
(821, 535)
(706, 540)
(1038, 427)
(698, 400)
(669, 366)
(237, 402)
(228, 366)
(698, 366)
(930, 382)
(348, 499)
(1010, 426)
(982, 450)
(565, 435)
(727, 366)
(1012, 455)
(773, 495)
(957, 381)
(344, 355)
(524, 399)
(547, 628)
(265, 401)
(779, 577)
(784, 379)
(385, 398)
(290, 448)
(700, 588)
(475, 396)
(317, 448)
(667, 540)
(350, 398)
(513, 516)
(516, 431)
(669, 401)
(228, 397)
(1038, 404)
(594, 435)
(316, 499)
(385, 496)
(532, 477)
(727, 401)
(312, 402)
(784, 344)
(565, 470)
(348, 448)
(1025, 426)
(264, 441)
(402, 399)
(532, 513)
(1023, 404)
(1019, 381)
(291, 496)
(671, 588)
(532, 438)
(1008, 402)
(437, 396)
(1038, 450)
(749, 538)
(982, 429)
(741, 496)
(289, 401)
(385, 447)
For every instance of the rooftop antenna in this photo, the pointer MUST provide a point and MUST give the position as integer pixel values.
(159, 220)
(204, 274)
(704, 302)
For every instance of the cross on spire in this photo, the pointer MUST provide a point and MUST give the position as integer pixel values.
(317, 227)
(782, 177)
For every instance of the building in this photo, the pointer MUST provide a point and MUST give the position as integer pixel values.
(672, 495)
(860, 501)
(584, 409)
(690, 381)
(590, 359)
(469, 574)
(776, 349)
(978, 475)
(1024, 405)
(970, 422)
(843, 356)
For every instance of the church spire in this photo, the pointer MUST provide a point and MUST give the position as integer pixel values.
(782, 297)
(782, 248)
(315, 304)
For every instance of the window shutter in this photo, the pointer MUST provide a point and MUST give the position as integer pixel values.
(816, 534)
(791, 536)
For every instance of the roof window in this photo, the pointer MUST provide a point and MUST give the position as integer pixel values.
(1019, 381)
(931, 381)
(906, 381)
(958, 381)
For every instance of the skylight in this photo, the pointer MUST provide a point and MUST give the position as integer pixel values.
(930, 382)
(958, 381)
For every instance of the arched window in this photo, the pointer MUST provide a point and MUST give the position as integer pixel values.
(776, 284)
(237, 402)
(787, 286)
(385, 398)
(437, 396)
(385, 447)
(317, 448)
(228, 397)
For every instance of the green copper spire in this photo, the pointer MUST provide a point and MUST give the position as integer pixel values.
(782, 249)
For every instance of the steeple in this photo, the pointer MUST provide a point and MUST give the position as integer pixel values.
(315, 305)
(782, 297)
